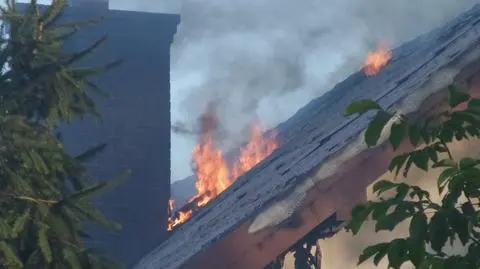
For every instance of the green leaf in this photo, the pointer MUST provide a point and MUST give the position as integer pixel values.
(420, 193)
(398, 132)
(375, 128)
(468, 209)
(9, 255)
(459, 224)
(397, 253)
(426, 135)
(374, 250)
(359, 215)
(461, 134)
(426, 264)
(459, 118)
(438, 231)
(35, 258)
(472, 131)
(389, 222)
(380, 210)
(446, 133)
(468, 162)
(456, 97)
(455, 187)
(397, 163)
(89, 191)
(383, 186)
(19, 224)
(38, 162)
(417, 252)
(72, 259)
(382, 252)
(420, 159)
(91, 153)
(471, 184)
(402, 191)
(361, 106)
(43, 243)
(78, 56)
(5, 230)
(418, 228)
(445, 177)
(432, 154)
(415, 135)
(474, 104)
(408, 165)
(52, 12)
(43, 210)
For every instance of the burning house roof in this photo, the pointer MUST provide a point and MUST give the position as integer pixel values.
(214, 172)
(313, 137)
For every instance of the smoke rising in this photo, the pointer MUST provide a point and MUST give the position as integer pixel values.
(266, 59)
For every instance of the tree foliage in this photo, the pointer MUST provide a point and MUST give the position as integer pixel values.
(44, 191)
(432, 225)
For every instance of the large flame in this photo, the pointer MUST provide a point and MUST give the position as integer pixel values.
(376, 60)
(214, 175)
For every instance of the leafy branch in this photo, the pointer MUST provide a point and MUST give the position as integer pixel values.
(432, 225)
(45, 193)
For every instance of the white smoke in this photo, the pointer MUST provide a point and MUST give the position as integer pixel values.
(268, 58)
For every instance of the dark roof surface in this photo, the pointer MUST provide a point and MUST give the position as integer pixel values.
(312, 135)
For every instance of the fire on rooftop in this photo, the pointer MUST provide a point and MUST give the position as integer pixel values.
(322, 167)
(213, 172)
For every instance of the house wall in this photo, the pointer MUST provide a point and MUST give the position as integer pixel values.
(136, 125)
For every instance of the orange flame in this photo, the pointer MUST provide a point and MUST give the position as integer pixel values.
(213, 175)
(212, 170)
(376, 60)
(255, 151)
(182, 217)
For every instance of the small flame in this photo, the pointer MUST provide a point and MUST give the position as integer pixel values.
(171, 206)
(376, 60)
(179, 219)
(212, 170)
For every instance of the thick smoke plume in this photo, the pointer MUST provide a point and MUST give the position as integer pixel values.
(268, 58)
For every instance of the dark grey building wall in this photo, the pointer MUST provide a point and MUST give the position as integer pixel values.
(136, 123)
